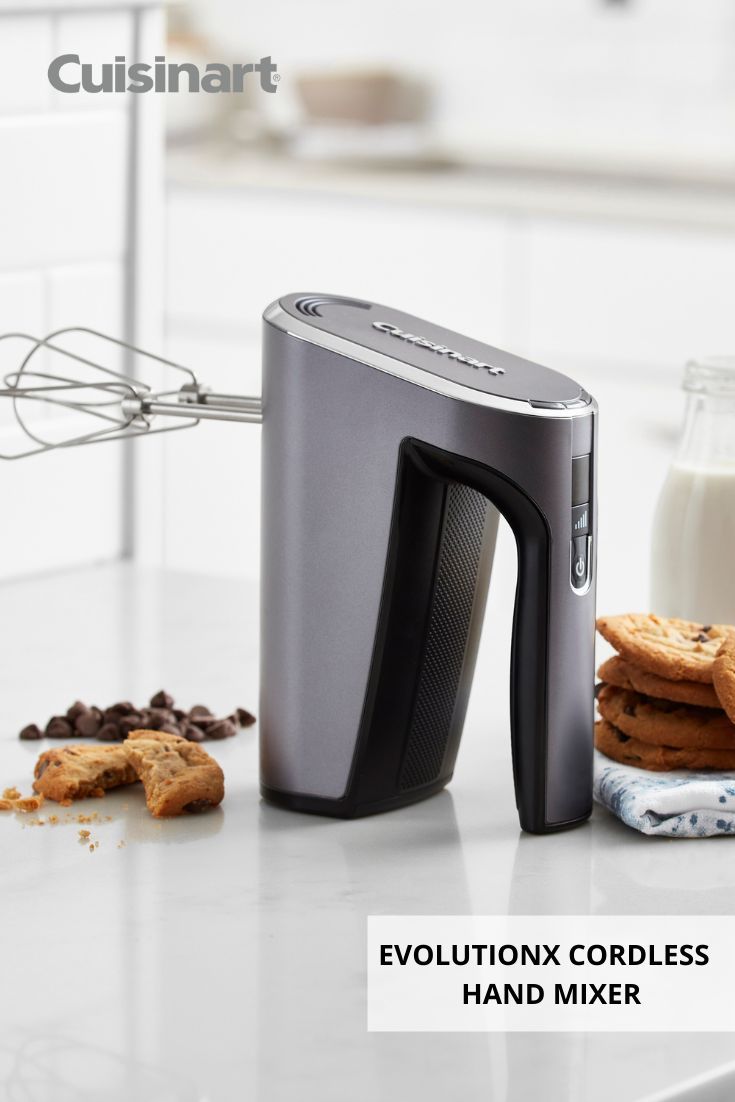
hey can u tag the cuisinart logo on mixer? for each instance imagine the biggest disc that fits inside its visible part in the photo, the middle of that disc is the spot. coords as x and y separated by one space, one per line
68 73
441 349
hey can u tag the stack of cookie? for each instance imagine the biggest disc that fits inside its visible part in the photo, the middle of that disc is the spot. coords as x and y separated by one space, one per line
667 698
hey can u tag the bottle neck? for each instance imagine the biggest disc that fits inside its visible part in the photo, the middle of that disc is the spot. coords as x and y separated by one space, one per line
708 434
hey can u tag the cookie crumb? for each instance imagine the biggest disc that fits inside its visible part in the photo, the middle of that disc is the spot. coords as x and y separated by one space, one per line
91 847
11 793
6 805
121 844
28 803
53 819
93 818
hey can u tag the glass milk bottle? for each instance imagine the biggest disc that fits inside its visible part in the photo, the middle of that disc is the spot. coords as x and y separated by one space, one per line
693 556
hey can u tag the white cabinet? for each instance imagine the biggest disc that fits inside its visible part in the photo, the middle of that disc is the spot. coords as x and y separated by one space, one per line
230 255
628 295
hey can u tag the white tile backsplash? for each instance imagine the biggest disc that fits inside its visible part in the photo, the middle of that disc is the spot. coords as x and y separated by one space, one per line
92 296
22 310
97 37
212 500
65 194
21 302
87 294
60 510
63 189
26 48
228 364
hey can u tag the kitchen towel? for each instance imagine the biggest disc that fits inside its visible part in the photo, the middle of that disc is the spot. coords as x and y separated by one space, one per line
680 804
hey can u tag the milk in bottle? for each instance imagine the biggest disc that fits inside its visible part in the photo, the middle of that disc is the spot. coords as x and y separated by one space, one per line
693 555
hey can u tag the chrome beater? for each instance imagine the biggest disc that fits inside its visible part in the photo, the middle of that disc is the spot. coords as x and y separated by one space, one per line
116 405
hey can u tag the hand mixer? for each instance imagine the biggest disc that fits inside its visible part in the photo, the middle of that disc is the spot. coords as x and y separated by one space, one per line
390 445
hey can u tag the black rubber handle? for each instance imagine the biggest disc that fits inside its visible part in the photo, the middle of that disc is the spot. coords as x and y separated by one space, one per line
529 648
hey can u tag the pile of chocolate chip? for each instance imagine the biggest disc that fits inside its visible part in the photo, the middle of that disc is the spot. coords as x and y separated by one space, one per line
115 723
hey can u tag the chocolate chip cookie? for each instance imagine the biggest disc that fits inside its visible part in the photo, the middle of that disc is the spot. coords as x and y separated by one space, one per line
177 775
622 748
616 671
679 650
723 676
73 772
664 722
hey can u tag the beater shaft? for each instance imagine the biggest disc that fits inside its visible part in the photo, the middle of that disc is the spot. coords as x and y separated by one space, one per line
208 407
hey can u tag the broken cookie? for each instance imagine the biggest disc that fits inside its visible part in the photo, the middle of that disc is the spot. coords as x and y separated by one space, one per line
73 772
177 775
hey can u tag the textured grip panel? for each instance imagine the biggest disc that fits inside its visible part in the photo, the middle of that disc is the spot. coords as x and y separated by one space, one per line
449 623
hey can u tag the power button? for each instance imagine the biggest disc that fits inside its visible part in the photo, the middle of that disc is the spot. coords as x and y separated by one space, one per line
580 561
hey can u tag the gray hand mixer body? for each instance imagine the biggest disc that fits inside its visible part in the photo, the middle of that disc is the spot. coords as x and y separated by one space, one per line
389 446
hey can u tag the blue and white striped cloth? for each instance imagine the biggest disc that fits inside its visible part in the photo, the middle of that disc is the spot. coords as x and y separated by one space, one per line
680 804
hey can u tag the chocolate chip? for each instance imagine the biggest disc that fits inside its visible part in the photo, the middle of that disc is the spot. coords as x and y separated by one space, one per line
32 731
77 709
109 732
162 700
221 728
205 722
58 727
193 733
702 638
116 711
132 722
88 723
118 720
170 729
199 710
196 806
621 737
156 718
41 768
707 628
629 709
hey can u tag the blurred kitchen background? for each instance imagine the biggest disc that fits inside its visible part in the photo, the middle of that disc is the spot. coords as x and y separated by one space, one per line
558 179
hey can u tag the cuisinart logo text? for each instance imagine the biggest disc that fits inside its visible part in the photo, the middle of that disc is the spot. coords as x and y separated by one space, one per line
68 73
441 349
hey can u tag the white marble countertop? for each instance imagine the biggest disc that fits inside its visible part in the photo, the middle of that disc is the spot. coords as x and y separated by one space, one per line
219 958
